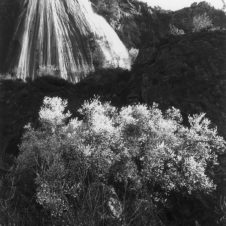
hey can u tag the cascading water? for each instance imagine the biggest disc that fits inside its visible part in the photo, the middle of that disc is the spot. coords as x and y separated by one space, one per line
67 35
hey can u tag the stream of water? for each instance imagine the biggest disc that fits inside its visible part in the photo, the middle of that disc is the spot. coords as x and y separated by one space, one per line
68 37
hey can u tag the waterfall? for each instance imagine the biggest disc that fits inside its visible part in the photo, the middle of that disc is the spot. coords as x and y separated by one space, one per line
66 35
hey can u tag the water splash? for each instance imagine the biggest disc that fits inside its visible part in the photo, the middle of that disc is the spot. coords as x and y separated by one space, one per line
67 35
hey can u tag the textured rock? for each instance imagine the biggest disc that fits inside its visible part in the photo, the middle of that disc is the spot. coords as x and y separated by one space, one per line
188 72
139 25
8 16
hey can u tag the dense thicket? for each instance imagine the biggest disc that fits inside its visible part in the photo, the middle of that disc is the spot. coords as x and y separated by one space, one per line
113 167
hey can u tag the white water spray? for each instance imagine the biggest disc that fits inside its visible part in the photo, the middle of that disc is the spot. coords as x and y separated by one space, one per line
67 35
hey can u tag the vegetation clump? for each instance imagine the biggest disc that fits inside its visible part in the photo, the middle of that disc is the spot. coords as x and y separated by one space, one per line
112 166
202 22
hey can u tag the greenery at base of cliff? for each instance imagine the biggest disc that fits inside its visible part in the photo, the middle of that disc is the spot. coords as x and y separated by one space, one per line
111 167
20 103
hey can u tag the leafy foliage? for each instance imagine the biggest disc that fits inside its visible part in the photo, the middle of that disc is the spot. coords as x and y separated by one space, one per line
202 22
115 167
175 31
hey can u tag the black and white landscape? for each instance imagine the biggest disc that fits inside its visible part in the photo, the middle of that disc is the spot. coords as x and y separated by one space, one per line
112 113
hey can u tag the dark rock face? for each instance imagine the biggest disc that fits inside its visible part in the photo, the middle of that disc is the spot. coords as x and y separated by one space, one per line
187 72
9 12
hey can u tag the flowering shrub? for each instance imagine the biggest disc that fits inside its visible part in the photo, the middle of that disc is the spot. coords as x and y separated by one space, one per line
175 31
202 22
115 166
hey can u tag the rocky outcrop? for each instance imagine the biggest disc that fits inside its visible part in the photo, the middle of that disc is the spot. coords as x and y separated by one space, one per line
188 72
9 10
139 25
